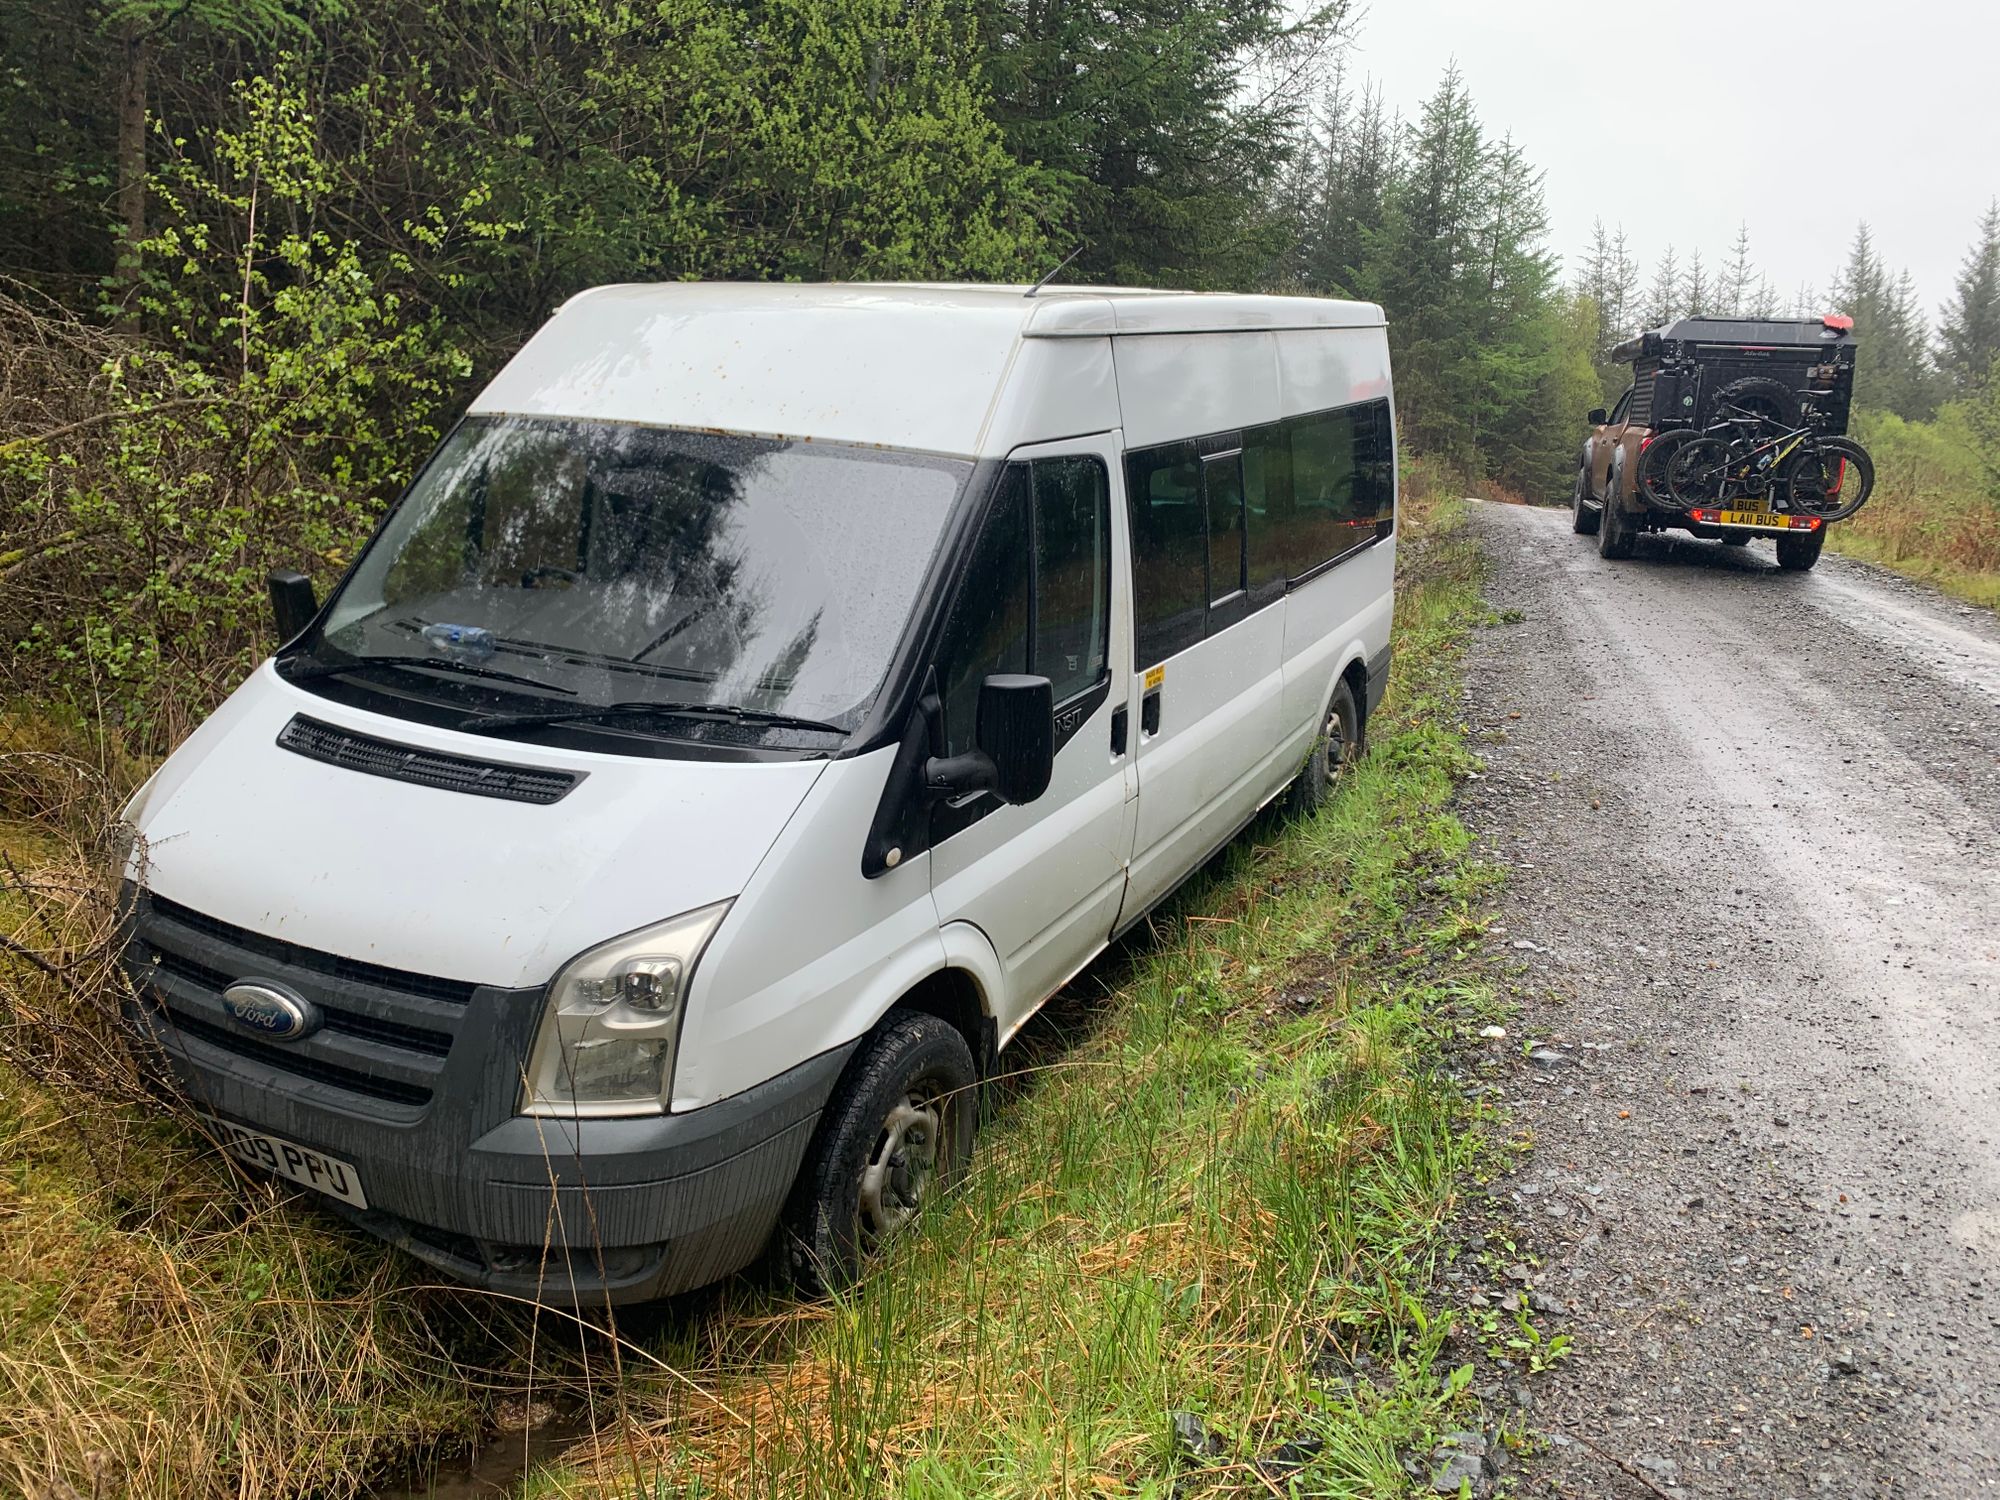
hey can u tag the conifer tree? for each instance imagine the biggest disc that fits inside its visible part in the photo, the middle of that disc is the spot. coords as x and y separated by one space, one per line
1696 290
1734 287
1969 327
1663 297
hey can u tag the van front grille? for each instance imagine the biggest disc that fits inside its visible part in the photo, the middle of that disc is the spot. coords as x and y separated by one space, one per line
385 1036
451 773
287 1060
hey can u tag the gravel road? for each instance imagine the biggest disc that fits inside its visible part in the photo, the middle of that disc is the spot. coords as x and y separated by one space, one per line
1752 826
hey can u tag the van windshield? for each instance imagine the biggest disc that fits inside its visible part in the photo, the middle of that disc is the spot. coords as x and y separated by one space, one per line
566 564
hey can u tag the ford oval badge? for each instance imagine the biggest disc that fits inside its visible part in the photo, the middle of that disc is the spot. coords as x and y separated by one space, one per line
271 1010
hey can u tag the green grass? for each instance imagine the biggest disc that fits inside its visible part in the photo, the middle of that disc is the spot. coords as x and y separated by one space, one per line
1214 1184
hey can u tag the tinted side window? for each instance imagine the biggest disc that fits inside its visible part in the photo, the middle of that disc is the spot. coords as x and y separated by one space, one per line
1342 484
1169 550
988 628
1072 573
1267 493
1222 480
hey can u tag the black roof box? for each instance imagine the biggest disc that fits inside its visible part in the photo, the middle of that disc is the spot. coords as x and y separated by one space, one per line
1738 333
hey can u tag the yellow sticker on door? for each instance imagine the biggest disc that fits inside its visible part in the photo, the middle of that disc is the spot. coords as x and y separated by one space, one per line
1154 677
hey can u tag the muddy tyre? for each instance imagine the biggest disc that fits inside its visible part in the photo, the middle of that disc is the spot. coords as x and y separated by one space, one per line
1617 529
896 1133
1338 746
1797 554
1584 516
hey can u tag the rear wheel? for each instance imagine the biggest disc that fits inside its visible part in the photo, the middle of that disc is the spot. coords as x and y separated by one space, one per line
1654 458
897 1131
1583 515
1798 551
1832 479
1698 472
1339 746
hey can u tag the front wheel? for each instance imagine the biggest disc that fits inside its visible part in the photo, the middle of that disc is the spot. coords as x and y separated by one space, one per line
1832 479
896 1133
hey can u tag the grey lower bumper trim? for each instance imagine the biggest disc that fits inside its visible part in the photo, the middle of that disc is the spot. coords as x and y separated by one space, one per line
1378 678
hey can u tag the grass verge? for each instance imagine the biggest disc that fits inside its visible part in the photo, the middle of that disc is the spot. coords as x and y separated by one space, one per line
1193 1256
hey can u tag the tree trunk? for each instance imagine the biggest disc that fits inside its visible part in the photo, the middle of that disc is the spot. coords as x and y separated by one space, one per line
131 161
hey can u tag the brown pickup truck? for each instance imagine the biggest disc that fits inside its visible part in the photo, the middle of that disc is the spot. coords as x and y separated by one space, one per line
1793 371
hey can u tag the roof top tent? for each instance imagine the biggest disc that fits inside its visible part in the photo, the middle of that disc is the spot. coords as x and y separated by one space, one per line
1678 368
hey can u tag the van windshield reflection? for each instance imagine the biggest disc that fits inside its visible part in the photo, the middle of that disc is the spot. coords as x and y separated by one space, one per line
566 564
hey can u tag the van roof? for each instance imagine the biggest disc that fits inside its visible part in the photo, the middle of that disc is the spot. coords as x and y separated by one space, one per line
1052 312
905 365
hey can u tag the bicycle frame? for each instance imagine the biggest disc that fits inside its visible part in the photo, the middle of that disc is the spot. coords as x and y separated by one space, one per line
1744 473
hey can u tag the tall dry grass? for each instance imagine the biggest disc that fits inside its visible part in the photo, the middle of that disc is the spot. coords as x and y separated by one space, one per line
1934 513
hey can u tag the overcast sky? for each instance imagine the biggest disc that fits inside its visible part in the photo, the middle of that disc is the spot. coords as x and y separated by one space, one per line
1681 118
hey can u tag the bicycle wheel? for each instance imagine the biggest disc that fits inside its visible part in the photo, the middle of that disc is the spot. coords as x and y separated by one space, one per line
1832 479
1651 483
1698 472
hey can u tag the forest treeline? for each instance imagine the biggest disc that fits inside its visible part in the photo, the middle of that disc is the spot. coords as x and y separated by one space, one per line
259 252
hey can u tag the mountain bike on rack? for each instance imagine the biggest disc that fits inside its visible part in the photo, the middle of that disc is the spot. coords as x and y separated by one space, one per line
1744 469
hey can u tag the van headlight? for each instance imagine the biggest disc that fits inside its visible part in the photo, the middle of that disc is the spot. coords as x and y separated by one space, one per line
606 1043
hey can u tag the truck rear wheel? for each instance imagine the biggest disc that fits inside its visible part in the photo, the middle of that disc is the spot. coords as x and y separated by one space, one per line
896 1133
1797 554
1617 531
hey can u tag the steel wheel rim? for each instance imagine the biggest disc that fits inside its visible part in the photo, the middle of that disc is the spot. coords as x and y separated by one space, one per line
899 1175
1338 747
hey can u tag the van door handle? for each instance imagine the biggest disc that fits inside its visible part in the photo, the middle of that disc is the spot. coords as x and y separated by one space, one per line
1149 712
1118 717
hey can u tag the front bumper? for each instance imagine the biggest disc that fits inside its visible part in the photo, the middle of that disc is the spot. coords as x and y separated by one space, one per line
414 1082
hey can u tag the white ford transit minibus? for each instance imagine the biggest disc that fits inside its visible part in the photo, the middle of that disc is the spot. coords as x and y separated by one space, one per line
763 700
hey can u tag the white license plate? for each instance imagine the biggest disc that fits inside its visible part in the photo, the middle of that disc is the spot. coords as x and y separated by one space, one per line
301 1164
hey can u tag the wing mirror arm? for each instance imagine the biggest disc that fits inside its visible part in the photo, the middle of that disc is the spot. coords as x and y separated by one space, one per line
1014 756
293 603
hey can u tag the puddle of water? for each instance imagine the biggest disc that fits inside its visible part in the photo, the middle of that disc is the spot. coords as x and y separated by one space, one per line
492 1470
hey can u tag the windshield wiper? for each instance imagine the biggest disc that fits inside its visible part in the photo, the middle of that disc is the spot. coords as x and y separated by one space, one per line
640 708
317 669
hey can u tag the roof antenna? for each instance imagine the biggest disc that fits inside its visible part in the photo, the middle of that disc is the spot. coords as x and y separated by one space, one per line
1058 270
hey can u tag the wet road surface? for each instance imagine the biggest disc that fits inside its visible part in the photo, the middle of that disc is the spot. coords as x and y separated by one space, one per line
1752 821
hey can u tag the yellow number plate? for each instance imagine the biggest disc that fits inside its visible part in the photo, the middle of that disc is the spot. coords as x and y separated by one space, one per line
1754 518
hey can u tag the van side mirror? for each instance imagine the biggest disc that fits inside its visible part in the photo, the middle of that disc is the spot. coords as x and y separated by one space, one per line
293 603
1598 416
1016 741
